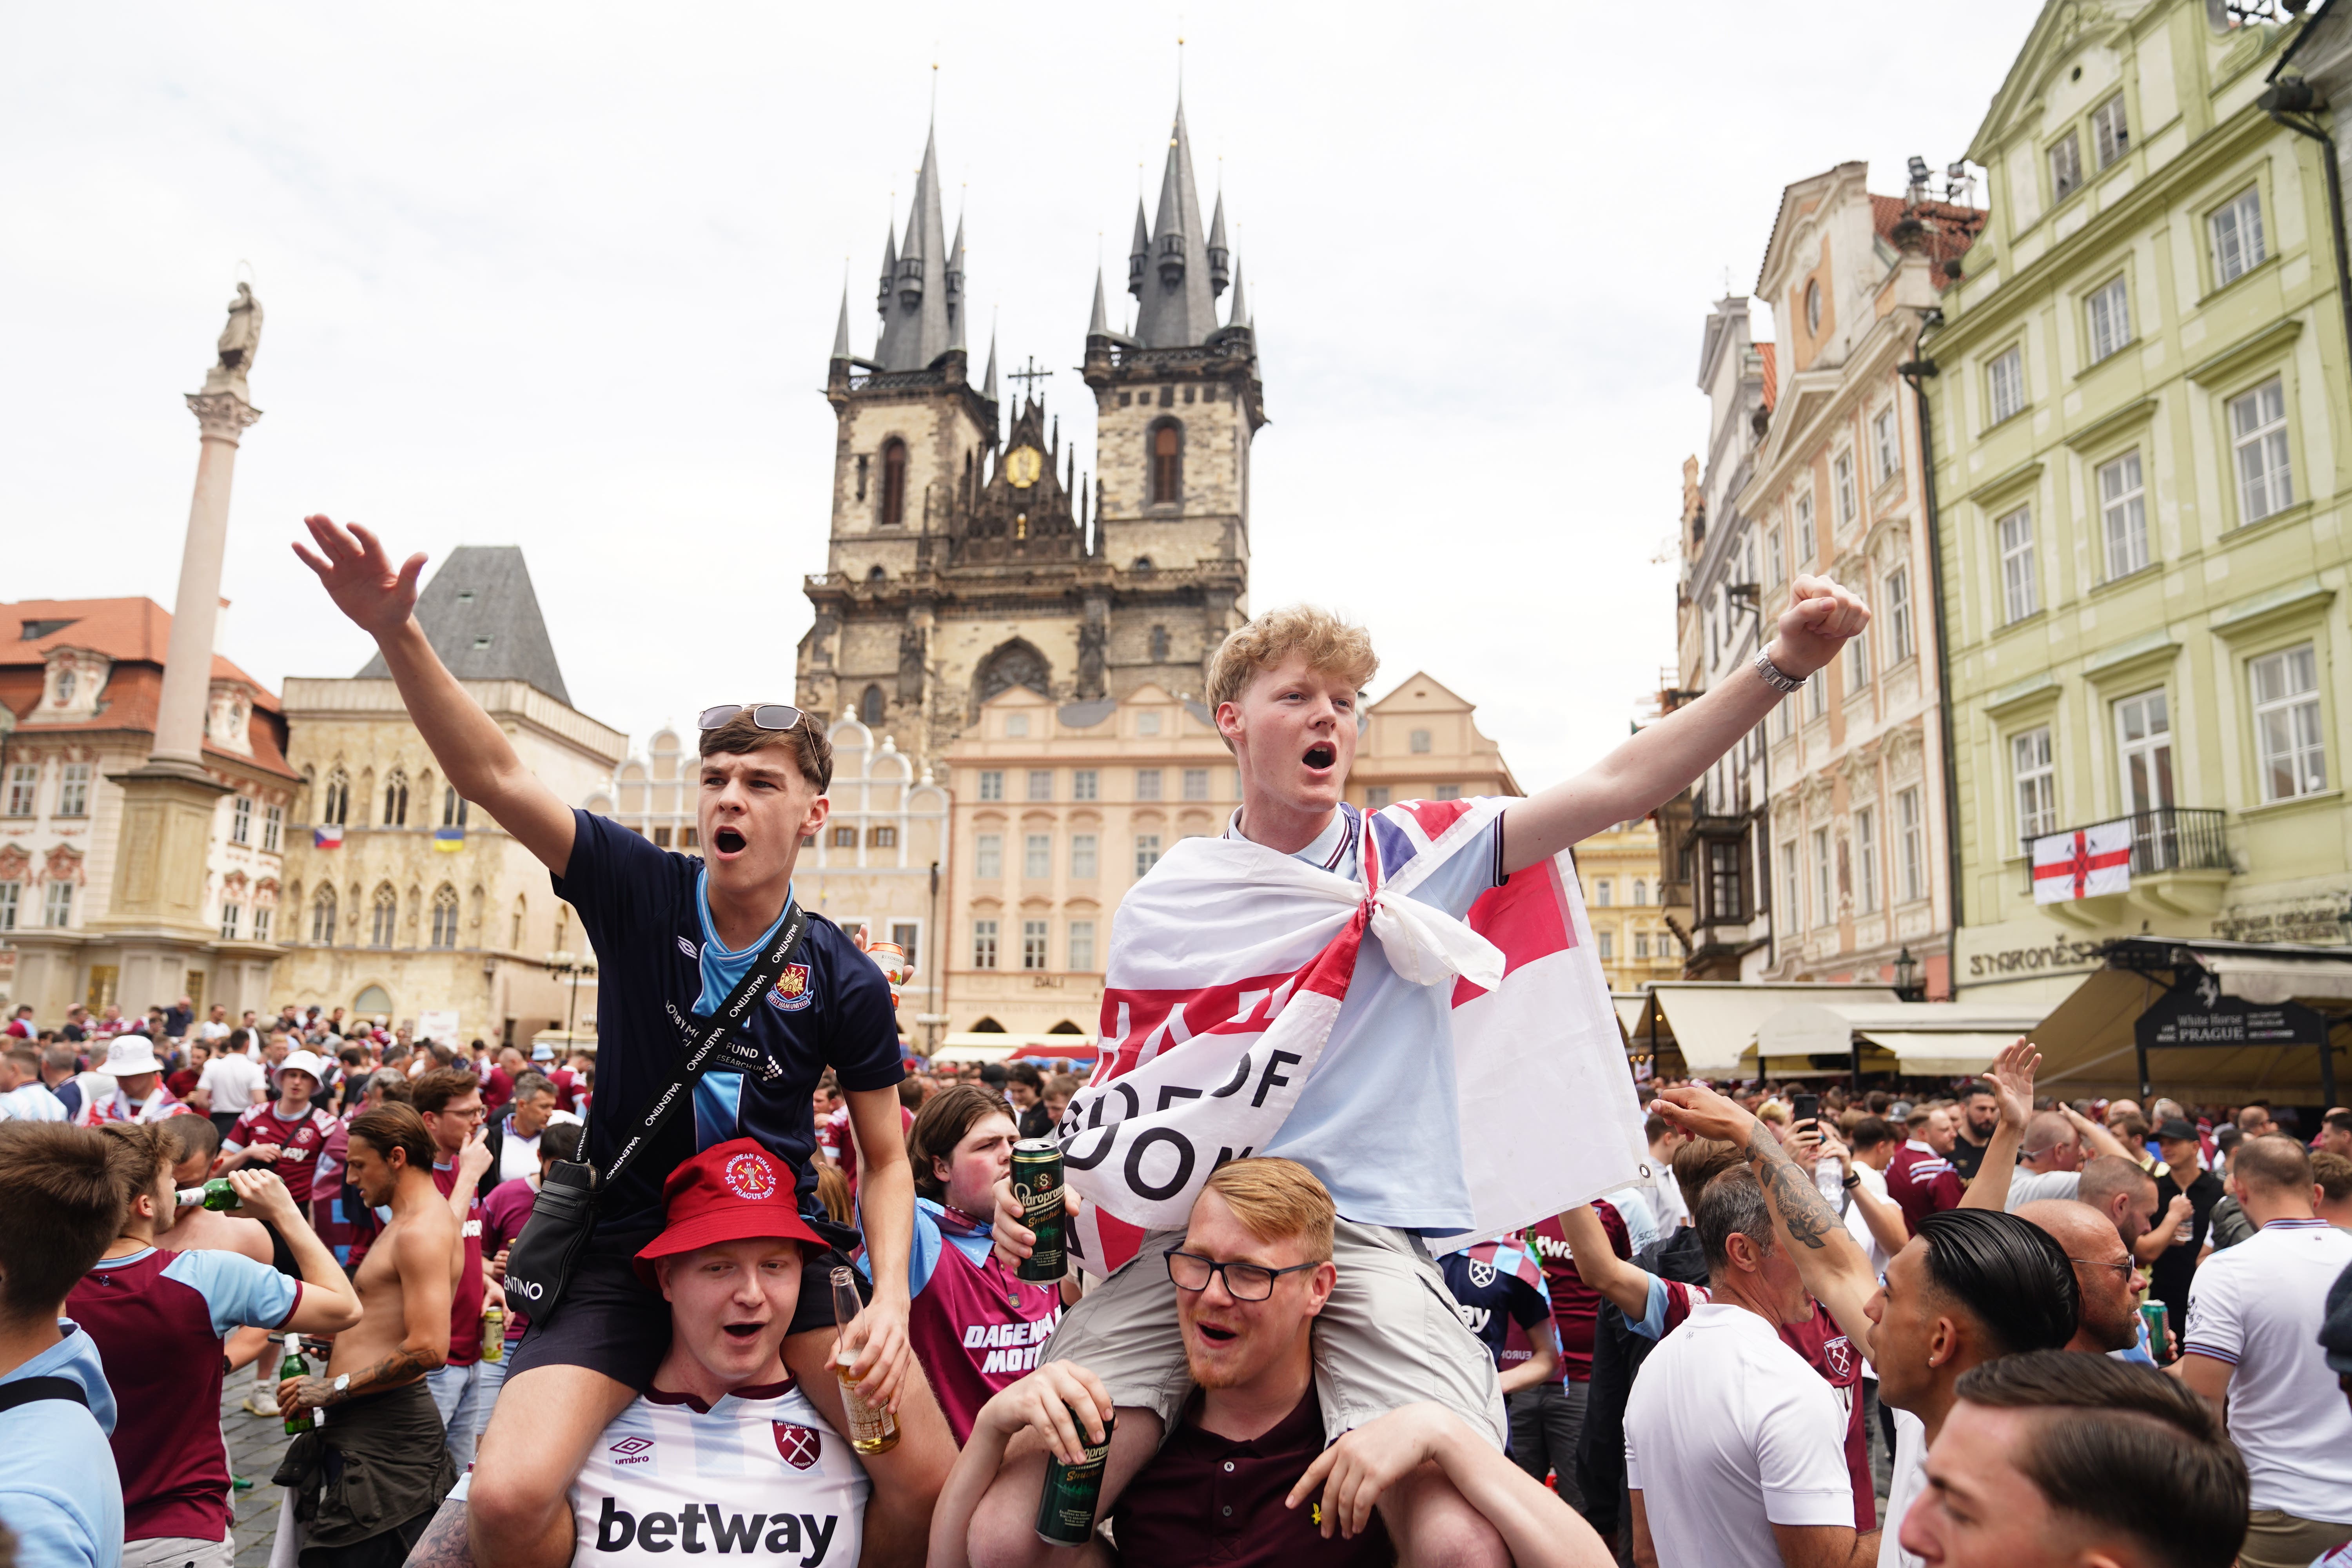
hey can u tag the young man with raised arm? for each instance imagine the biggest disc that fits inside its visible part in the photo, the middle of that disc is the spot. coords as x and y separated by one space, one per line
366 1503
1246 1476
161 1319
1377 1114
674 934
1975 1283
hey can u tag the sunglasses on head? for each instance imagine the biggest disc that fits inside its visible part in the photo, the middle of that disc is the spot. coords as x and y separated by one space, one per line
766 715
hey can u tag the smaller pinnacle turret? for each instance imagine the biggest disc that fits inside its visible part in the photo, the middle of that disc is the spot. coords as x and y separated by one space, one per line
841 328
1218 253
1099 325
1140 253
987 383
1241 316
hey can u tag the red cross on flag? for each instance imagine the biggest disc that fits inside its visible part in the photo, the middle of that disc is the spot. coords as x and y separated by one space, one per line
2084 864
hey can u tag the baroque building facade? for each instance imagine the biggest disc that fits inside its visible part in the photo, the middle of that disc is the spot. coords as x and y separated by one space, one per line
2141 416
402 899
1714 857
1858 875
967 557
80 681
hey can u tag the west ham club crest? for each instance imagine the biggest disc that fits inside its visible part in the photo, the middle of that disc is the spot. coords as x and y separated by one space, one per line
800 1446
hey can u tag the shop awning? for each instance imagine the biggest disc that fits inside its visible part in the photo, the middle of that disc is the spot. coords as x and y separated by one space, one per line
2090 1043
1923 1039
1630 1006
995 1048
1713 1022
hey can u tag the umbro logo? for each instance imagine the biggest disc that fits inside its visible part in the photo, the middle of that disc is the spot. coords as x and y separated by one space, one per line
689 949
628 1446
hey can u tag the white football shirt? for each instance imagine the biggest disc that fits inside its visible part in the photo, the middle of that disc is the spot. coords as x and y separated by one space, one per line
1732 1433
2258 1306
758 1479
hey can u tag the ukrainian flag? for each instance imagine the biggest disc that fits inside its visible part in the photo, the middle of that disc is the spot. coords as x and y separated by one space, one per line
448 840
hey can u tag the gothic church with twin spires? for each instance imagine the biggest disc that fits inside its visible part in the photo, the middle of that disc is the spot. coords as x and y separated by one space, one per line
968 556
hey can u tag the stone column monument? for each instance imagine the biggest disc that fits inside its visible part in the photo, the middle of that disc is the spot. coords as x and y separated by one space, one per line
168 804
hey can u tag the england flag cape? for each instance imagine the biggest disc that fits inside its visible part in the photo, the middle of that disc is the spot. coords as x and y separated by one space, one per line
1227 966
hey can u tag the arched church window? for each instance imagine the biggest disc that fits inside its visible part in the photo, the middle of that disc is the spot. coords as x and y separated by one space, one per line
870 706
521 910
445 916
453 807
1167 461
894 482
876 574
322 916
395 800
383 916
1014 664
338 808
1160 645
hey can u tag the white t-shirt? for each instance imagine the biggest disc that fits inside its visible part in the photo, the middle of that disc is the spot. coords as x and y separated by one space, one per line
210 1030
1910 1479
2257 1307
1733 1433
758 1479
1857 1223
2032 1186
1665 1196
518 1155
235 1081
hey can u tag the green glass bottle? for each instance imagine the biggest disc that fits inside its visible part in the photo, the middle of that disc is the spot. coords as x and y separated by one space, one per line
297 1364
216 1195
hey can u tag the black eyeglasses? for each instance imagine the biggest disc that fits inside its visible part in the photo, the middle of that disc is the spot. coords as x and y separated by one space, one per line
766 715
1243 1281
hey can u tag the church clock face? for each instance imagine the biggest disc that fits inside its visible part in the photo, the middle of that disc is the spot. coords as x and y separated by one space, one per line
1022 467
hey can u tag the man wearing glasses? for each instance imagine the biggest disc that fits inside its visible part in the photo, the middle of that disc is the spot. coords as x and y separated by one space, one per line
1245 1477
674 934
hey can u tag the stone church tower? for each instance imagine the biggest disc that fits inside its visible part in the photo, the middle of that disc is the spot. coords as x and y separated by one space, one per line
968 556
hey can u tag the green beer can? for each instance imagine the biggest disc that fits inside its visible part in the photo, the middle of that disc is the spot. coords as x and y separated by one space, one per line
1037 1182
1065 1507
2153 1314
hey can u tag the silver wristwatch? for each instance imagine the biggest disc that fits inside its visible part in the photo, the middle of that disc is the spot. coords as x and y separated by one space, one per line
1774 676
341 1385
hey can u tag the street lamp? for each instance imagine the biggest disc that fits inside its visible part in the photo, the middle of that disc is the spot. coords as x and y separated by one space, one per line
1907 976
563 962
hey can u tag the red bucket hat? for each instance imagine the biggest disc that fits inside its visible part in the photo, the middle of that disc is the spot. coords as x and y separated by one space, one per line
734 1191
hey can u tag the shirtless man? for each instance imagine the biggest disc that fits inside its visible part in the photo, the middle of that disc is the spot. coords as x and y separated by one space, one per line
380 1417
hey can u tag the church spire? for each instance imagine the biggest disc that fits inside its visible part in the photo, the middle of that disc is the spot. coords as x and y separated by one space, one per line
917 307
841 328
1140 253
1241 316
987 383
1219 275
1179 301
1099 325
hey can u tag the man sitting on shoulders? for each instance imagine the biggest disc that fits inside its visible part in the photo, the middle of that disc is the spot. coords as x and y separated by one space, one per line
1244 1474
723 1453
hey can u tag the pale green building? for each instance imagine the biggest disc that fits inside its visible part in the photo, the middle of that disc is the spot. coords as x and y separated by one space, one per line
2140 433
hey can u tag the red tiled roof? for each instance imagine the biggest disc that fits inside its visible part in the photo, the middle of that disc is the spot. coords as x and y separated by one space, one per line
135 633
1951 229
1771 372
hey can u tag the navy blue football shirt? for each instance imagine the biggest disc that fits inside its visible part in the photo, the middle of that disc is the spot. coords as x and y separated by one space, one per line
643 910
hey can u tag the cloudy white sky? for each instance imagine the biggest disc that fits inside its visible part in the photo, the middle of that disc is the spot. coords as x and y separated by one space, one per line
565 276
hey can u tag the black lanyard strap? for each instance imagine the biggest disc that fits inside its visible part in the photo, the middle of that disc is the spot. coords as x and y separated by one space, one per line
705 1036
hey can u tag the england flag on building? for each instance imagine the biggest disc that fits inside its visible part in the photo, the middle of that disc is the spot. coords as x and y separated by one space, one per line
2083 864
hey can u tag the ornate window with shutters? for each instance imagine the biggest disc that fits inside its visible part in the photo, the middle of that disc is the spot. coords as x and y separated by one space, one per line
1166 447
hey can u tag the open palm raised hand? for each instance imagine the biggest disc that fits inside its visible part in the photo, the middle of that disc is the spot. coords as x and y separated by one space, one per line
2012 1082
360 577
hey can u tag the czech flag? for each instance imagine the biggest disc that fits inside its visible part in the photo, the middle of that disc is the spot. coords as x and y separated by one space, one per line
448 840
329 836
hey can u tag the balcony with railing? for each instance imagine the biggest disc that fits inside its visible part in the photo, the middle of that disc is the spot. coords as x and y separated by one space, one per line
2180 857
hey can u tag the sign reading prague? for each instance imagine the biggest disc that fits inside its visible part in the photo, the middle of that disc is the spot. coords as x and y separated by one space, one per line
2084 864
2195 1014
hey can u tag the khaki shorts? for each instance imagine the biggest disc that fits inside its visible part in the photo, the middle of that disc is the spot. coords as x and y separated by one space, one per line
1388 1337
2276 1539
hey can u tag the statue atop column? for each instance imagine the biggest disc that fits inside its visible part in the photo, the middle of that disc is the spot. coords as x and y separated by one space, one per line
239 341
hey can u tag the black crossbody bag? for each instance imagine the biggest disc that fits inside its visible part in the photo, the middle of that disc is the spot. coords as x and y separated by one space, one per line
541 1262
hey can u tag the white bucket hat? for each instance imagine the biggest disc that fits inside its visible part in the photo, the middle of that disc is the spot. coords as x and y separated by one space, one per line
305 1061
130 1056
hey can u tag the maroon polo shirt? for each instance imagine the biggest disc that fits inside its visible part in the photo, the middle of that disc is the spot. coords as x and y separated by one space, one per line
1206 1499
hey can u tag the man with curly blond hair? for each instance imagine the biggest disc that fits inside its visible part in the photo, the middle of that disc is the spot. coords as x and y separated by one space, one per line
1367 947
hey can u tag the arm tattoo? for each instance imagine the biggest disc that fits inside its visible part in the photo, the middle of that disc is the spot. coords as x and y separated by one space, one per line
401 1367
1803 1213
444 1545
